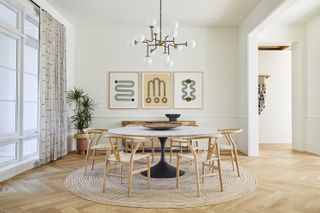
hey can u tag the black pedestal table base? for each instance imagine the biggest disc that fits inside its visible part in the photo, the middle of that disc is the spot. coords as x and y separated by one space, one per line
163 169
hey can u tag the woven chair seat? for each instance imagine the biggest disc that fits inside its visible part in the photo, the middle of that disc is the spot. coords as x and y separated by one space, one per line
225 147
126 157
202 157
100 146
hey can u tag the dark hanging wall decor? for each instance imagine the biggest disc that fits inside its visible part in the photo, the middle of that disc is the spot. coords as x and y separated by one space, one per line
262 92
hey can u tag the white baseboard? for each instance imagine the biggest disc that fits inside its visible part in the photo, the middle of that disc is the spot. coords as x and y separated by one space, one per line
275 141
17 168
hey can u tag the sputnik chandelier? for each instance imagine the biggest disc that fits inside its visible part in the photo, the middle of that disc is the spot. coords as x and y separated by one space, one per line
158 41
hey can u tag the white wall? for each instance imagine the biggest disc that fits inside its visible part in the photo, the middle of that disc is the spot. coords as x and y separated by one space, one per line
103 49
275 120
313 87
295 35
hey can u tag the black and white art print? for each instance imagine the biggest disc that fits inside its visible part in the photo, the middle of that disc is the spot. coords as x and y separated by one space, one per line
188 89
123 90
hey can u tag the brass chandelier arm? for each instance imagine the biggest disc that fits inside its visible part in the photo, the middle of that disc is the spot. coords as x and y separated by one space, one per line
152 50
151 45
155 42
182 44
151 29
147 50
157 39
165 50
160 20
168 46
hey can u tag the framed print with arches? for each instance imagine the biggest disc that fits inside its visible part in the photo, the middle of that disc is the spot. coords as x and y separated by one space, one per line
156 90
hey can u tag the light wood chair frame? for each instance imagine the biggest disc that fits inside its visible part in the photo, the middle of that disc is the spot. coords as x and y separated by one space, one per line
212 155
116 152
233 151
93 136
181 143
143 143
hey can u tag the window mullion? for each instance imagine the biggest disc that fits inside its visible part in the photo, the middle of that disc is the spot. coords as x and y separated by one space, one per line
20 88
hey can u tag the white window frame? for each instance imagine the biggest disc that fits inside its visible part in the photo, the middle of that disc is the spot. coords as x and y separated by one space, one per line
20 135
18 71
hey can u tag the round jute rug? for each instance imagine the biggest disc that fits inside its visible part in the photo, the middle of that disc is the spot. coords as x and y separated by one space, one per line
163 192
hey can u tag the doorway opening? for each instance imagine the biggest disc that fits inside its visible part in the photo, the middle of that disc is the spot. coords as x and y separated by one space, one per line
275 95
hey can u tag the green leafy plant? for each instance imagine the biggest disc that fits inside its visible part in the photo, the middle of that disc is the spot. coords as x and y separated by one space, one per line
83 109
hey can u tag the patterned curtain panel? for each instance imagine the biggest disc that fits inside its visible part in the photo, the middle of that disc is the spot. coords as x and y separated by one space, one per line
53 105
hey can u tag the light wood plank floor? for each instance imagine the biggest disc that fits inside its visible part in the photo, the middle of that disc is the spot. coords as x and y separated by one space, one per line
287 182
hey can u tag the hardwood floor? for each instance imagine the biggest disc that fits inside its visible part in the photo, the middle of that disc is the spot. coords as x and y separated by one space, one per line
288 181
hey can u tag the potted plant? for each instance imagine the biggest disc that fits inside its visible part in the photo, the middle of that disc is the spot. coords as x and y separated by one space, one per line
83 107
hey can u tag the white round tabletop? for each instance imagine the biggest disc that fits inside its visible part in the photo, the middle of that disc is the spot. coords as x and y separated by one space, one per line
182 131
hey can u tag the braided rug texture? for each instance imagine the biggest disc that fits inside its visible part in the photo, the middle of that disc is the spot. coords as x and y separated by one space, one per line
163 192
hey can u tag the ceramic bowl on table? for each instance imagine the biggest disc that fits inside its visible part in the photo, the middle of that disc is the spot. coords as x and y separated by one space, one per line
173 117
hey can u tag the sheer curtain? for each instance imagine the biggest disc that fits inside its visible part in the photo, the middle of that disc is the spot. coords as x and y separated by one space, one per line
53 106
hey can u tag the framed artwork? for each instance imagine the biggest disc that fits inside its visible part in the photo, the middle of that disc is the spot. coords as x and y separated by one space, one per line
156 90
123 90
188 90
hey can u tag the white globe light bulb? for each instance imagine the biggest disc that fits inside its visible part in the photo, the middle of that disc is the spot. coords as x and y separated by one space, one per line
152 22
170 63
131 42
174 33
179 47
192 44
139 37
157 30
175 25
147 60
165 57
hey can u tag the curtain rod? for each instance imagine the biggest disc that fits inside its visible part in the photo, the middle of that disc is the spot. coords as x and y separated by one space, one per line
35 3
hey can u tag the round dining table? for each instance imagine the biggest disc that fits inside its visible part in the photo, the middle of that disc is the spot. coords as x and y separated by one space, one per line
163 169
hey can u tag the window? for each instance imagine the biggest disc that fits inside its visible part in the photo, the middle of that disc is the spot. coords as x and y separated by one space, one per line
19 68
31 28
7 153
30 147
8 76
8 16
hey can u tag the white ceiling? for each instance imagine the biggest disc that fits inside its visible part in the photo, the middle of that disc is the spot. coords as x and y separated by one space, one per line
301 12
136 12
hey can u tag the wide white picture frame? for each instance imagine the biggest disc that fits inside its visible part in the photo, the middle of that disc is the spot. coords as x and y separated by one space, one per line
188 90
123 90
